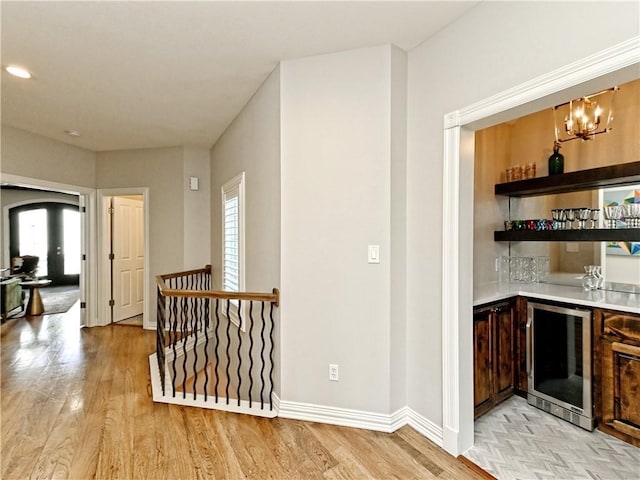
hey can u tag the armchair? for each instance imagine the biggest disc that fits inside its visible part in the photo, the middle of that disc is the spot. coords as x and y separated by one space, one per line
12 296
24 267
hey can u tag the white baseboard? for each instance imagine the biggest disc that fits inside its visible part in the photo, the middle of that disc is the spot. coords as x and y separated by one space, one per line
425 427
380 422
335 416
344 417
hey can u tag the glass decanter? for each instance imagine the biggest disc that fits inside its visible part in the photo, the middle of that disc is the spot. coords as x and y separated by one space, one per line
590 280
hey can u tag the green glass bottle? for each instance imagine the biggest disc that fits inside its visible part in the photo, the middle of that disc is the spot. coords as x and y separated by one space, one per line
556 161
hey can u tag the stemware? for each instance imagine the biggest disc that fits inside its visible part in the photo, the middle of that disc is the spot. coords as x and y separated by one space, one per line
635 215
595 216
570 215
612 214
583 215
558 216
631 214
597 271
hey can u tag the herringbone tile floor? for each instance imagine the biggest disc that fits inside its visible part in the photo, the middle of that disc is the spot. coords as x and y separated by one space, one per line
518 441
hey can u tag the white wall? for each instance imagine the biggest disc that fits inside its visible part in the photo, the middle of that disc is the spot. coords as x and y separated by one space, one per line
161 170
340 162
464 63
252 144
29 155
197 205
398 247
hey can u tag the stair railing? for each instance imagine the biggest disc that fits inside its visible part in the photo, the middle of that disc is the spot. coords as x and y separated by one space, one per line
214 348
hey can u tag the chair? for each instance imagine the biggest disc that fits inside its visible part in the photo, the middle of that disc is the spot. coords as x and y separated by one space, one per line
12 296
24 267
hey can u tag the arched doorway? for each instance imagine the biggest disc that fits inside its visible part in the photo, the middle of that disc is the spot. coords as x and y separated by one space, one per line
50 231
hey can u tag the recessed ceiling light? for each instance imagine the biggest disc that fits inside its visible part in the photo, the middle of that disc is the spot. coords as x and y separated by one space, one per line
18 71
73 133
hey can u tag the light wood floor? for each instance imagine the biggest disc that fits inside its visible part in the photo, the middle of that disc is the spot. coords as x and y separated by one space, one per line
76 404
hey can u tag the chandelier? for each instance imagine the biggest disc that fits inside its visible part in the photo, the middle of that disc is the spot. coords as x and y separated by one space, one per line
583 117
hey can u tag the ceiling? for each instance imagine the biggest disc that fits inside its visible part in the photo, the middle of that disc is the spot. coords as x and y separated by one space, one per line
152 74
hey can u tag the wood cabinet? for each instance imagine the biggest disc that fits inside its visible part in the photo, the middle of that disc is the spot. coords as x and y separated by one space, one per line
617 374
494 354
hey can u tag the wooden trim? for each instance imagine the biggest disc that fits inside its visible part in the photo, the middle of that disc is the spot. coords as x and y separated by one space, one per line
475 467
252 296
597 374
626 349
273 297
206 269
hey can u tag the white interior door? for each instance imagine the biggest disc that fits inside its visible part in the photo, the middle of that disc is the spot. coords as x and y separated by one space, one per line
128 261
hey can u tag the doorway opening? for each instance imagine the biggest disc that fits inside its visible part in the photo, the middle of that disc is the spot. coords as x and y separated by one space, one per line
51 232
124 250
63 214
617 64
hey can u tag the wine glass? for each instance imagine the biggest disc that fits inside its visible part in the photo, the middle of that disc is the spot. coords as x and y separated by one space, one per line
583 216
595 216
635 215
631 214
570 214
612 214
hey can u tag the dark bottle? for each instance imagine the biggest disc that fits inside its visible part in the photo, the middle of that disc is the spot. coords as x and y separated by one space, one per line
556 161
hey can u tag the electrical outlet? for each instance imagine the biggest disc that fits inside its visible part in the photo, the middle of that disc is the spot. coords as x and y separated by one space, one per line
333 372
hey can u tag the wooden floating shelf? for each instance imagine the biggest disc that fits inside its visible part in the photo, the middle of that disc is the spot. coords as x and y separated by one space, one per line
587 235
612 176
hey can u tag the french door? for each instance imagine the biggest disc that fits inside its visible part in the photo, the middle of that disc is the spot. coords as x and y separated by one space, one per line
50 231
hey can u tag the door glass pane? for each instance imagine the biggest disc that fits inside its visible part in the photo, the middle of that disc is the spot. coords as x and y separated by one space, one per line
71 242
32 237
558 356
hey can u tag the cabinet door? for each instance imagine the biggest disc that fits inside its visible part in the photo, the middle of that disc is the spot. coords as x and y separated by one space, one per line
626 375
504 319
620 389
482 361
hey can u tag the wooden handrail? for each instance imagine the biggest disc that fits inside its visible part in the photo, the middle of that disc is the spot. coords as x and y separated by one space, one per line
167 276
273 297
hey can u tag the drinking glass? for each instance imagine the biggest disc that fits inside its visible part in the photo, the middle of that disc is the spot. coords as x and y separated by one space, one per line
583 215
597 271
631 214
589 281
612 214
570 214
635 215
595 216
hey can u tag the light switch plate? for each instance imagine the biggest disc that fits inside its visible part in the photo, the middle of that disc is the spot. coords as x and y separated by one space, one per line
573 247
193 183
374 254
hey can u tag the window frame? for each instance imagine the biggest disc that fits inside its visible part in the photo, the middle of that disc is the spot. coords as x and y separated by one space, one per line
227 191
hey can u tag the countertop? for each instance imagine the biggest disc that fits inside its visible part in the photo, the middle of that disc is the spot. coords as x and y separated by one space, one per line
494 291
